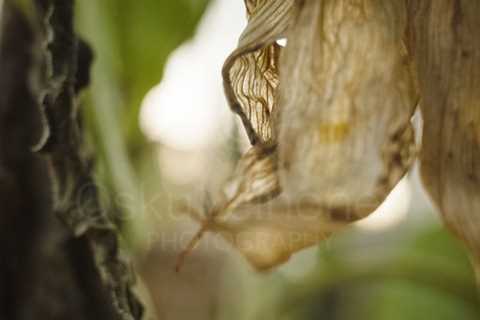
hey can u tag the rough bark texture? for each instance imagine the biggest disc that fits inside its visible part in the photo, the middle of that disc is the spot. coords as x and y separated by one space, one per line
60 256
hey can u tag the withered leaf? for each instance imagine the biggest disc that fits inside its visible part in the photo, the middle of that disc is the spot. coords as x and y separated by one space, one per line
328 118
341 124
251 72
445 42
250 77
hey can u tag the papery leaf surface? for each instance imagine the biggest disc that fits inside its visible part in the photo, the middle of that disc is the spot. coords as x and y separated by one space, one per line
341 125
251 71
444 40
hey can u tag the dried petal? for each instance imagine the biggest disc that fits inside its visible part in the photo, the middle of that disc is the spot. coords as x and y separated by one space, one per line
445 43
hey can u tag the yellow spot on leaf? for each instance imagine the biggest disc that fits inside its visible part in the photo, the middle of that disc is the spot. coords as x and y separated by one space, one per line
333 132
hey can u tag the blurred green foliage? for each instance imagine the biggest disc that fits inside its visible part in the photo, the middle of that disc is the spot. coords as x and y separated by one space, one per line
428 276
132 41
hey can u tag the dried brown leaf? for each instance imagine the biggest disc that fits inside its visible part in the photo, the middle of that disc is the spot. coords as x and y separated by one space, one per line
343 127
445 43
251 71
332 128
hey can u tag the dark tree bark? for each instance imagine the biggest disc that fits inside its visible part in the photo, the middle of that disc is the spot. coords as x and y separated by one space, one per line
59 255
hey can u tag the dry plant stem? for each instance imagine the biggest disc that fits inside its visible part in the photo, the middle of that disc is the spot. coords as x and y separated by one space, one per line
191 245
206 225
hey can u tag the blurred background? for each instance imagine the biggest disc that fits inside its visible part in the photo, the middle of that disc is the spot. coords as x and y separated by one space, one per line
157 113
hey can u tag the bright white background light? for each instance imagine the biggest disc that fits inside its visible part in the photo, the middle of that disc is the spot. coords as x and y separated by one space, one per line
188 110
392 211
